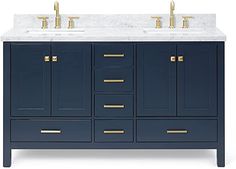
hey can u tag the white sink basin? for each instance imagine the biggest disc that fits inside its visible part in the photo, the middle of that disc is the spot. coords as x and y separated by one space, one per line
172 31
55 31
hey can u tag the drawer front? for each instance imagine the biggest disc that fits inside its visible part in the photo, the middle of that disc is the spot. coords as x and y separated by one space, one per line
176 130
114 130
114 79
114 105
30 130
112 55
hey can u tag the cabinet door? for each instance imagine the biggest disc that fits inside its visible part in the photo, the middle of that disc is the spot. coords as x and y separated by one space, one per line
156 79
71 79
197 79
30 79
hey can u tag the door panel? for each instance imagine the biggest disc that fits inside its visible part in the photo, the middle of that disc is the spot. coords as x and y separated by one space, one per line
156 80
71 79
30 79
197 79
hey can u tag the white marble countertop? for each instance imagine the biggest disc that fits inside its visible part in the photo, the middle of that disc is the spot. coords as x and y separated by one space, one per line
116 28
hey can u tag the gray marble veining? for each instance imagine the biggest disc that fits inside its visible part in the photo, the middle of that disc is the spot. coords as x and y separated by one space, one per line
118 28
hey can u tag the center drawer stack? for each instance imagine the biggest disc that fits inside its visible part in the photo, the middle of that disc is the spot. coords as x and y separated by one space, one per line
114 92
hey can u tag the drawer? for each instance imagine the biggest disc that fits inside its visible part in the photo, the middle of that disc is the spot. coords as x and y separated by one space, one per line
176 130
114 79
114 105
113 54
113 130
30 130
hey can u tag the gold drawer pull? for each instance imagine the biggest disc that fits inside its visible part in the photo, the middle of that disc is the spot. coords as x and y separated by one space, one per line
177 131
114 81
49 131
114 132
114 55
46 58
114 106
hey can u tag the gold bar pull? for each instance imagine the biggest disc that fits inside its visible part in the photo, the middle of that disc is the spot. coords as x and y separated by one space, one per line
114 106
46 58
176 131
50 131
180 58
54 59
113 81
173 58
114 55
114 132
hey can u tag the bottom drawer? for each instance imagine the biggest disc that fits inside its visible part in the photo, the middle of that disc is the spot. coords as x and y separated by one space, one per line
176 130
113 130
34 130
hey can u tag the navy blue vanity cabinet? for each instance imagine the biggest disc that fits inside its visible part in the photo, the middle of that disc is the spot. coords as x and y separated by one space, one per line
30 79
113 95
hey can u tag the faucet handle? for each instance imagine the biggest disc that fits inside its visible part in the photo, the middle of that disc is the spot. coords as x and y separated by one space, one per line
158 21
44 22
186 21
71 22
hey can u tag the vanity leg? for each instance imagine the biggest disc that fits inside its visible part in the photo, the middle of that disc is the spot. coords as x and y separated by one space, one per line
221 157
6 157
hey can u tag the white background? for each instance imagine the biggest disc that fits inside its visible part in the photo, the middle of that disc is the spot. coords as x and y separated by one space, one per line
107 159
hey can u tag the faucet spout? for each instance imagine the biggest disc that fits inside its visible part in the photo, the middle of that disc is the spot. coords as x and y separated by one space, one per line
172 7
58 17
56 7
172 16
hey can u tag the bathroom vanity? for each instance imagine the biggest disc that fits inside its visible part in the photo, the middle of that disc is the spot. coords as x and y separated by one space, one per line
114 81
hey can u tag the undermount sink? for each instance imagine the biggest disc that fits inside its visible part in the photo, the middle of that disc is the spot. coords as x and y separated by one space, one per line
55 31
173 31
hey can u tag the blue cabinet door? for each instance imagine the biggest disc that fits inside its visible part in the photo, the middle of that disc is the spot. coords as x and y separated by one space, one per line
197 79
30 79
156 79
71 79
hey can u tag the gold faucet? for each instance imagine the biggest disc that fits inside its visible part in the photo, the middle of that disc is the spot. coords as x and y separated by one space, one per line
172 16
58 17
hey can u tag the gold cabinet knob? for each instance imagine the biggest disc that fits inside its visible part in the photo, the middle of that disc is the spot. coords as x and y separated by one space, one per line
46 58
158 21
186 21
54 59
180 58
71 22
44 22
173 58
